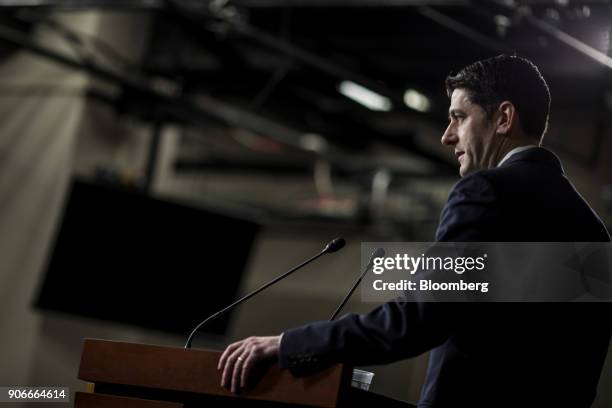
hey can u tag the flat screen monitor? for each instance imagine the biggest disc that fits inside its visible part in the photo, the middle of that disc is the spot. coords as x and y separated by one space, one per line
124 256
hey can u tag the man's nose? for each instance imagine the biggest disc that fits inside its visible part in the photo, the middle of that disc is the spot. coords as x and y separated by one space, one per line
449 138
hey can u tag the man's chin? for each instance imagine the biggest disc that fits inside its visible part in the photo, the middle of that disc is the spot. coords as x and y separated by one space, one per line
466 171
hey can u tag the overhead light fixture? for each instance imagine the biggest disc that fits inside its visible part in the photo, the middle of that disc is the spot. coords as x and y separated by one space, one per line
364 96
416 100
313 142
586 11
502 21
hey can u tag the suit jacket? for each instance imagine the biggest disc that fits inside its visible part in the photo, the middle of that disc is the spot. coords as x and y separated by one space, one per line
486 354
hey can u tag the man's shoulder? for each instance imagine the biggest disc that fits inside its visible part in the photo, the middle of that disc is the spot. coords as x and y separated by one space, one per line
528 198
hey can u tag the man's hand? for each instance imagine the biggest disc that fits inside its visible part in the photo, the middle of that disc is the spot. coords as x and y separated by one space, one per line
239 359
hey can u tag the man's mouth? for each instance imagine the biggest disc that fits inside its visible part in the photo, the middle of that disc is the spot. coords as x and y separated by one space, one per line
458 155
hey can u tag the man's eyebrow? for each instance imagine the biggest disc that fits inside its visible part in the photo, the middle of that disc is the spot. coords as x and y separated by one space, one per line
452 112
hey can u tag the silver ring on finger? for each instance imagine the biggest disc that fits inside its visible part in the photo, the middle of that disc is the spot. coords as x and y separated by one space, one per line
240 358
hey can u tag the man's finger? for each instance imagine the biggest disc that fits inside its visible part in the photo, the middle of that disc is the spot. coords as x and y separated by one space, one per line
247 367
237 370
228 367
226 353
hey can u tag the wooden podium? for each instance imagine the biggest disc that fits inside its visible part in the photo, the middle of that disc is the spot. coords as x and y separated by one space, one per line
145 376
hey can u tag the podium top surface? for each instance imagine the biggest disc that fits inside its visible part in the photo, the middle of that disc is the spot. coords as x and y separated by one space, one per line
195 371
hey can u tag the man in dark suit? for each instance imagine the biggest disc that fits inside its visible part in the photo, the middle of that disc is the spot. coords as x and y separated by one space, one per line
493 354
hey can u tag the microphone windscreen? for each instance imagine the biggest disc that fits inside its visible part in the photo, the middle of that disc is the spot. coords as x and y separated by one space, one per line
335 245
379 253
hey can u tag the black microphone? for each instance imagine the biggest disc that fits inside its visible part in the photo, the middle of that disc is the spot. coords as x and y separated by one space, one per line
379 253
335 245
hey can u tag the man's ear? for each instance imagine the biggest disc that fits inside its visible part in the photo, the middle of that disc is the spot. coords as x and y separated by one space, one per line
506 117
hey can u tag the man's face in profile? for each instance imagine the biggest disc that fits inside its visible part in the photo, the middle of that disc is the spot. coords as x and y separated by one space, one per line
470 133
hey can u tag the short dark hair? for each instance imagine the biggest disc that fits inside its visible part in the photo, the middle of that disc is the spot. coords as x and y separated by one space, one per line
491 81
